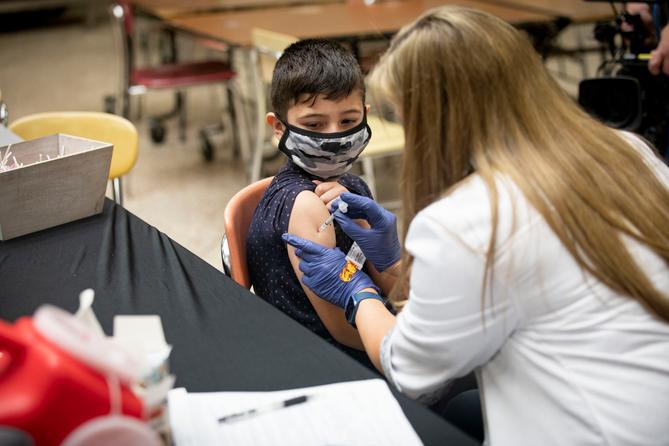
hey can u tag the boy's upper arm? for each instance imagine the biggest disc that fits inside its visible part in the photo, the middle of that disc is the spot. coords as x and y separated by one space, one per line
307 216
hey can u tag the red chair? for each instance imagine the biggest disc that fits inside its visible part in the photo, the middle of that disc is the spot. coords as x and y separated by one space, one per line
175 76
238 215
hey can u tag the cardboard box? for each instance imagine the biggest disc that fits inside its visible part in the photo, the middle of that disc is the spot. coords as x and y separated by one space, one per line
49 192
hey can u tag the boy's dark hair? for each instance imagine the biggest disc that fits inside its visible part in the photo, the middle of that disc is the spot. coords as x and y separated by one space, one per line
313 67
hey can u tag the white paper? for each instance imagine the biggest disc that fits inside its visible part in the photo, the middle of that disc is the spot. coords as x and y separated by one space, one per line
144 336
144 332
352 413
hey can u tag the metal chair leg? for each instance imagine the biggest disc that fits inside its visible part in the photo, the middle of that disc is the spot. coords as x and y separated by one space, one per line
227 119
260 94
140 107
125 108
225 256
232 118
241 59
181 107
243 131
256 164
117 191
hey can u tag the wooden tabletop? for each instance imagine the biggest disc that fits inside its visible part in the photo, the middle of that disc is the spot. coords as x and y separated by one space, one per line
579 11
339 20
169 9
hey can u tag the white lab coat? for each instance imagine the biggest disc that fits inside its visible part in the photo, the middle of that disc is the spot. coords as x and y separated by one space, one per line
560 358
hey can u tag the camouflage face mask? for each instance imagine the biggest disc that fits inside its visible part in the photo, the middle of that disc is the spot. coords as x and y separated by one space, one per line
325 155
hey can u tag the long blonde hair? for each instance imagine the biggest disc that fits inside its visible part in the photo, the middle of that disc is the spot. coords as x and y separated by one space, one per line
475 97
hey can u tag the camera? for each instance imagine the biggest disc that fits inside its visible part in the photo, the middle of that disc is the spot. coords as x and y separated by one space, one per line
625 95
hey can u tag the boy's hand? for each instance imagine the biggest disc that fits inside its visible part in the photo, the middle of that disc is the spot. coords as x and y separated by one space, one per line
329 191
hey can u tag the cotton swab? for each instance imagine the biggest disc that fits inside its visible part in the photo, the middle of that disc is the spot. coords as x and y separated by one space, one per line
4 159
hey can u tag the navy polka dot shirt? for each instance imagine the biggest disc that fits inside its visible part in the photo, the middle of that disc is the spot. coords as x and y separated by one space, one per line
270 269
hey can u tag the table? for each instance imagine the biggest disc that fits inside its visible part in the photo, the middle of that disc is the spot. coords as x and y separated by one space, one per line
577 11
166 9
224 337
335 21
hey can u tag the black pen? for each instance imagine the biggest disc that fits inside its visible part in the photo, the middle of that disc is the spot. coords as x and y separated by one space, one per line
266 408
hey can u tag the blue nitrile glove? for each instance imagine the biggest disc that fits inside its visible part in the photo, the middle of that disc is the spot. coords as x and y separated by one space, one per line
380 243
321 267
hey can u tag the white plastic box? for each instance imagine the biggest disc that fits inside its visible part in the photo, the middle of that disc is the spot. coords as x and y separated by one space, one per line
51 181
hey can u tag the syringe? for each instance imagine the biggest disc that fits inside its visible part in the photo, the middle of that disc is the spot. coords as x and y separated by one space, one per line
343 207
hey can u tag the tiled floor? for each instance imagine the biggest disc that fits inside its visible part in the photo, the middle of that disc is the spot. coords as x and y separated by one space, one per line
72 67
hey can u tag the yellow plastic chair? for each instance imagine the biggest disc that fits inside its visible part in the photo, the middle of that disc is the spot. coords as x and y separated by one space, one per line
387 137
92 125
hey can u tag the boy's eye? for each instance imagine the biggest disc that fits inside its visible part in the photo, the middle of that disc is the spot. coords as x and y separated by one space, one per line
348 121
313 125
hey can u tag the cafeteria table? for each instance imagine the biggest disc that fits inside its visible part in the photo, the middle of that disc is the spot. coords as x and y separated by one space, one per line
333 20
166 9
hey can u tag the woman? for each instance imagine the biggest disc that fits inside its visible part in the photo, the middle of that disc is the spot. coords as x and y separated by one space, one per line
537 249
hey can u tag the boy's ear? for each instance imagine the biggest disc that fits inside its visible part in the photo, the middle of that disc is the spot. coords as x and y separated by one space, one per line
276 124
367 108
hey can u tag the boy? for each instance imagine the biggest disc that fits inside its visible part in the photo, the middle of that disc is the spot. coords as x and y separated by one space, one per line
319 117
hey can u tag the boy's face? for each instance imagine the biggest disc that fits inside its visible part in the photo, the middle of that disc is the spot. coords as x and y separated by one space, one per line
322 115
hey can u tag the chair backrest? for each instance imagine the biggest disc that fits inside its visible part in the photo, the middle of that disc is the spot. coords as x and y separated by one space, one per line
92 125
238 215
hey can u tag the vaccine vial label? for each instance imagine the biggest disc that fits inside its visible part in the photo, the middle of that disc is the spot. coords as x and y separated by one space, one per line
356 256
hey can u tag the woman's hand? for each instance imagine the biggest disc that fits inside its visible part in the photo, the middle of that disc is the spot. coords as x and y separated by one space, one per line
321 267
329 191
379 243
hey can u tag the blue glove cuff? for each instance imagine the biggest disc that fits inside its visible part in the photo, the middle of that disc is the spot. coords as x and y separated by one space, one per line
397 255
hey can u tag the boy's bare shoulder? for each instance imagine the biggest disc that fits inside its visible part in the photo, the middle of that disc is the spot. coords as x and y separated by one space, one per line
309 207
308 215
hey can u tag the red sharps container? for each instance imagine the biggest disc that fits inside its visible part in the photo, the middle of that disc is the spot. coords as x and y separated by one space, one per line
63 383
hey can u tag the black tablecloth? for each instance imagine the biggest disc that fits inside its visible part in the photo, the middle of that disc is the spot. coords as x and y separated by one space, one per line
224 337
